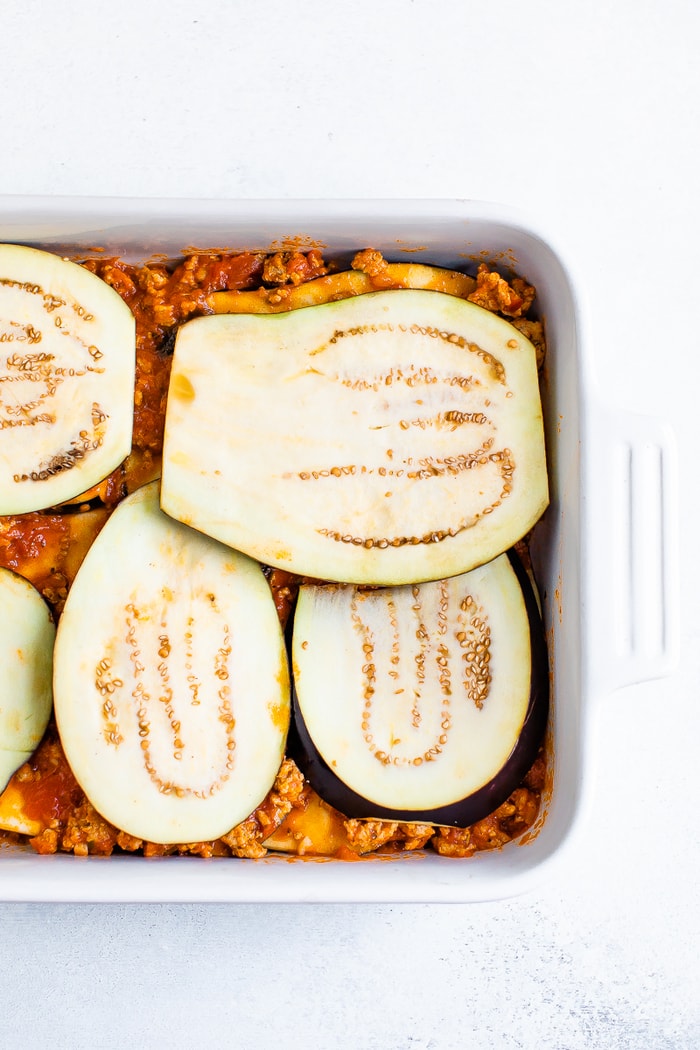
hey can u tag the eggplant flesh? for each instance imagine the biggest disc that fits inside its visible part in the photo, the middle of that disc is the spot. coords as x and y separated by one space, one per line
393 437
26 654
171 678
420 703
67 372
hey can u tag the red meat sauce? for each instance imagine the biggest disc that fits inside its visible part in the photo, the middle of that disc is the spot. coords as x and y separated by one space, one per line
48 547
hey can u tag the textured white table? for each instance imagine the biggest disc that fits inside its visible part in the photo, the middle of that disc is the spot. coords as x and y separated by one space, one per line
584 116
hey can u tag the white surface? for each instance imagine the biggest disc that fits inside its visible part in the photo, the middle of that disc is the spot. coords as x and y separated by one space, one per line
587 116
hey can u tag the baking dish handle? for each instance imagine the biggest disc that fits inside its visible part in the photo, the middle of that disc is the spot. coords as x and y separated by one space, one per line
632 561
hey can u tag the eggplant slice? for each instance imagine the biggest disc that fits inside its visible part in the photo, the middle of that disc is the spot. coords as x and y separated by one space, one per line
392 437
26 655
171 678
420 703
66 379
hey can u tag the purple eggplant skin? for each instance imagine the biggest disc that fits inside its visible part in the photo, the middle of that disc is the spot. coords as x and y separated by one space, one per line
480 803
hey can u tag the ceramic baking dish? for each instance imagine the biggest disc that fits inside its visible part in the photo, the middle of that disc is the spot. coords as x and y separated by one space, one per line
603 554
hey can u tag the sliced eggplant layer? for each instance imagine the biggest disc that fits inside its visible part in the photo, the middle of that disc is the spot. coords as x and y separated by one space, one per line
392 437
171 682
26 656
66 379
438 694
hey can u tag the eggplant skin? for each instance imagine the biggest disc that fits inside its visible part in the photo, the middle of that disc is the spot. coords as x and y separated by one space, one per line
481 802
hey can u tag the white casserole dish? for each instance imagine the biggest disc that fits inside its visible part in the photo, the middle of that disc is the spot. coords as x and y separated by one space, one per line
603 554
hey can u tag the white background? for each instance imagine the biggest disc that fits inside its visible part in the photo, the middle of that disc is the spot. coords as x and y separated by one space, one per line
584 116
